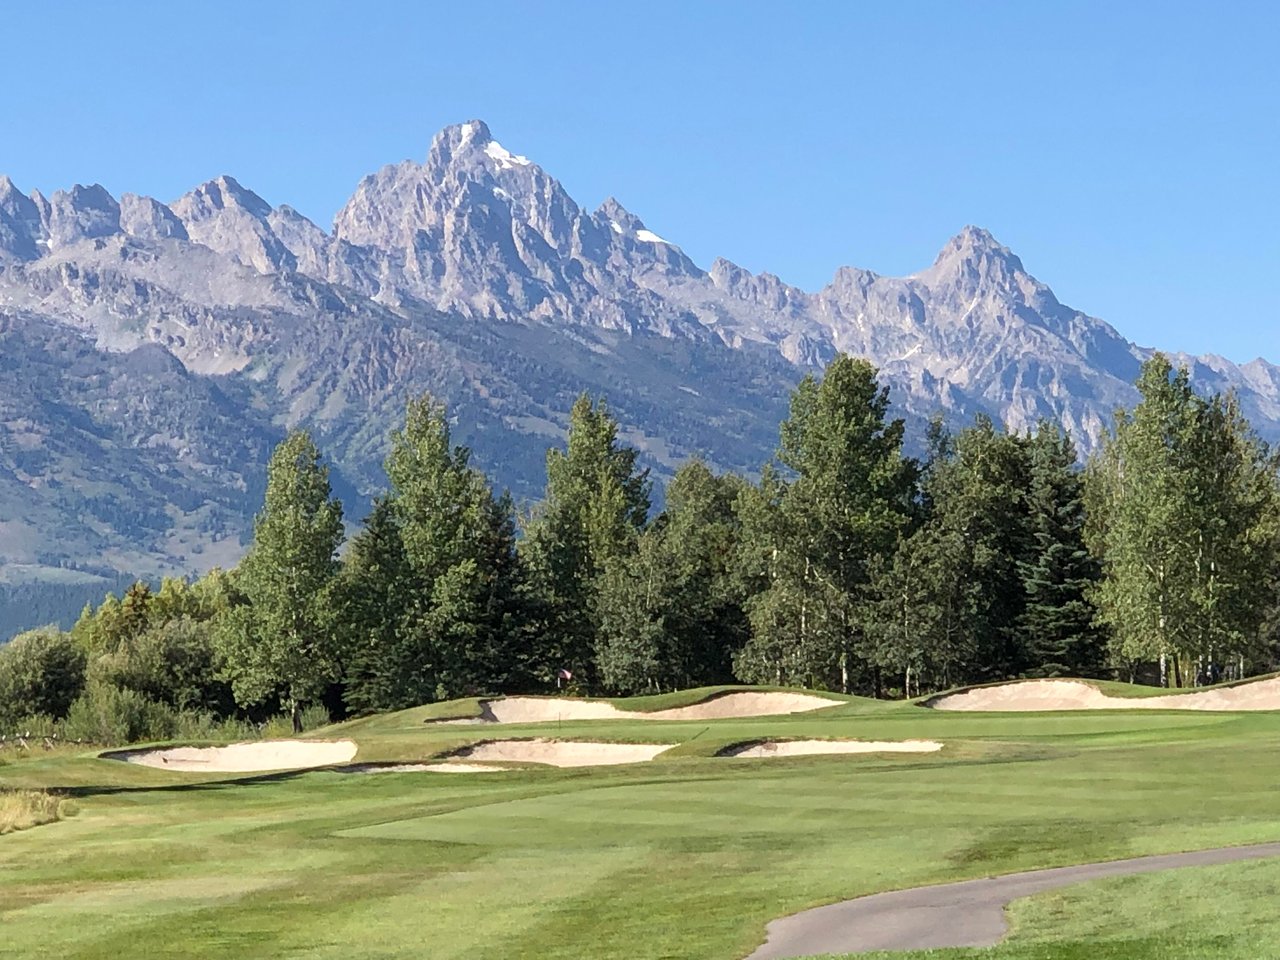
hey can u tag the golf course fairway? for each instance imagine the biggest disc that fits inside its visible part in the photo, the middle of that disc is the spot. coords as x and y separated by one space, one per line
689 854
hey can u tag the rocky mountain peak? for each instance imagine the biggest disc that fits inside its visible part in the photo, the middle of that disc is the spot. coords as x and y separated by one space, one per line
472 133
82 213
619 217
471 146
21 227
228 218
974 261
220 194
149 219
973 245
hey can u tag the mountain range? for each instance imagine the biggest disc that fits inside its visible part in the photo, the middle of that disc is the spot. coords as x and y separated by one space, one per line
152 353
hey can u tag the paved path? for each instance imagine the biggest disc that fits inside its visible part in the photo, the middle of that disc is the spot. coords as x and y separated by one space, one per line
965 914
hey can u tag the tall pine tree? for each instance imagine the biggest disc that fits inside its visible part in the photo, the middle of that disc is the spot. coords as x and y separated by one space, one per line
1058 622
595 507
848 494
279 642
431 585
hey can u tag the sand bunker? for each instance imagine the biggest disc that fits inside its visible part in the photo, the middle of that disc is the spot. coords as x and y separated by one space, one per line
724 707
804 748
244 757
561 753
422 768
1029 695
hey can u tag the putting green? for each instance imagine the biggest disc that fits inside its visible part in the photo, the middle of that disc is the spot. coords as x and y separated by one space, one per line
685 855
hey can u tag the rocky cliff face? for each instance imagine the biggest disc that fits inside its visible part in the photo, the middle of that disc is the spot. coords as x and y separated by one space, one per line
152 352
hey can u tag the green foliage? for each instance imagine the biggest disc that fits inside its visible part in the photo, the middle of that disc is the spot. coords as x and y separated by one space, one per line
995 581
1183 510
671 614
174 662
849 496
595 507
848 565
41 672
1058 624
278 642
112 716
922 622
979 501
429 593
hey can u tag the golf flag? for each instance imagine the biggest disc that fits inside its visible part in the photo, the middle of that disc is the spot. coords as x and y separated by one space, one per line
564 674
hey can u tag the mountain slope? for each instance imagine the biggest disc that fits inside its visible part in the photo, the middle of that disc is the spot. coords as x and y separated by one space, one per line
152 352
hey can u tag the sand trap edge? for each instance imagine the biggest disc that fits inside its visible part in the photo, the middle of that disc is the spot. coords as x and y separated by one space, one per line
769 749
238 757
530 709
423 767
548 752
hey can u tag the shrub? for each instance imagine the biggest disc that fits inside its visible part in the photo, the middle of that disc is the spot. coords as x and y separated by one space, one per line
172 662
41 672
315 716
111 716
280 727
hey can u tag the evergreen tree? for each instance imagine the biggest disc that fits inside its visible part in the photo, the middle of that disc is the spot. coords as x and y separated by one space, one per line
430 588
373 593
277 643
849 495
1057 623
978 498
992 583
671 613
596 505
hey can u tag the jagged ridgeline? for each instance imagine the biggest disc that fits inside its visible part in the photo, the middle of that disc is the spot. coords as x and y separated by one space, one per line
151 354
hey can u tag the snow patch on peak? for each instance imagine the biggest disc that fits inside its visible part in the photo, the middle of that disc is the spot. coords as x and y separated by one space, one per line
648 236
504 157
615 226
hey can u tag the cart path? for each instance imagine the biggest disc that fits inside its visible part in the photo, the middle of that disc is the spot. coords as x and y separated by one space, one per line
965 914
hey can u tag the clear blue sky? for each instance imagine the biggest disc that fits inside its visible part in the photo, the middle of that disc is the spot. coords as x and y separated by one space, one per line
1128 152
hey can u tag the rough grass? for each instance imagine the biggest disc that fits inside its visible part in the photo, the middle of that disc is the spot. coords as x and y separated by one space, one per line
687 856
23 809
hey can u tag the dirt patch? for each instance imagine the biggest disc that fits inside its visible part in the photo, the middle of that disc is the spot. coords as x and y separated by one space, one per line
724 707
250 757
560 753
1032 695
804 748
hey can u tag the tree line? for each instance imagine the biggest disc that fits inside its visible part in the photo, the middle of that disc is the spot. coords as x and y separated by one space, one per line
846 565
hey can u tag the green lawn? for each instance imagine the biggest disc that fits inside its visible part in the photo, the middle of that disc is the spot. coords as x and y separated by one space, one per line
686 856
